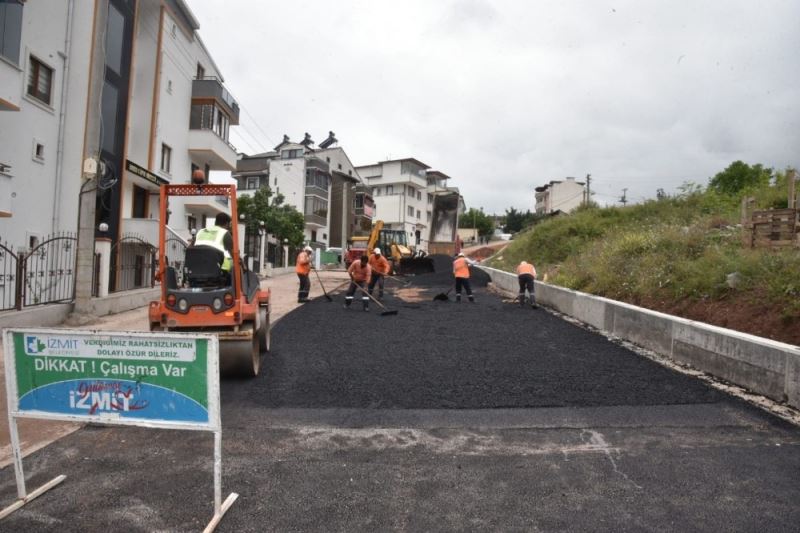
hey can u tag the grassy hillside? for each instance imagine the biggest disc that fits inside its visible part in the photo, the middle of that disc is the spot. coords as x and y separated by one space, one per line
677 255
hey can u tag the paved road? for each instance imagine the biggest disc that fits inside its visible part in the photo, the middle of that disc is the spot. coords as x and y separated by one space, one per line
444 417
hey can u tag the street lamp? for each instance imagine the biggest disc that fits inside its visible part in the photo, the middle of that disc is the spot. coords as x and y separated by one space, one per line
262 231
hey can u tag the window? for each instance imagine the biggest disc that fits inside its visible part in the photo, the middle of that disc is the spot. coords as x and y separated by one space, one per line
38 151
40 81
410 192
191 223
340 166
314 235
377 191
115 34
430 199
276 181
139 208
292 154
201 72
10 30
419 214
419 195
166 158
389 190
252 182
411 211
428 215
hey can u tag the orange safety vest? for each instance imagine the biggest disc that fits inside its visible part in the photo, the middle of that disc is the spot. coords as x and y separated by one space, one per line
526 269
379 264
358 273
461 268
303 264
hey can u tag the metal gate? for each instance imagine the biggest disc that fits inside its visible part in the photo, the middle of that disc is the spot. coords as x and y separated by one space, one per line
48 272
133 264
9 278
175 251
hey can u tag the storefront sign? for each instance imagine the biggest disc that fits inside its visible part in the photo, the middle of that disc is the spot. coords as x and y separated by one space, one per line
133 168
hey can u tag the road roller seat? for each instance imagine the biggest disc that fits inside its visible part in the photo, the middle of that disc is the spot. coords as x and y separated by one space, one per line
203 267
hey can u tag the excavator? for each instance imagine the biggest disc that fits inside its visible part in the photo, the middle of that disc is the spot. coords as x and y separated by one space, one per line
394 247
201 297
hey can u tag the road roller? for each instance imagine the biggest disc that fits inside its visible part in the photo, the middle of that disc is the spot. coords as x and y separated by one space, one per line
199 294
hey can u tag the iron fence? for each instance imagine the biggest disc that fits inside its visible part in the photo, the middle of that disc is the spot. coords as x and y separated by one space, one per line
48 271
133 264
9 278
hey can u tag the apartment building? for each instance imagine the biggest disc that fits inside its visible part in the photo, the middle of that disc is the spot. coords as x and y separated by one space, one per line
400 191
320 182
127 84
560 195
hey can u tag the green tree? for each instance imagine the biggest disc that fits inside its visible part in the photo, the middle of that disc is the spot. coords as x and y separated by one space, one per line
516 221
282 221
740 176
475 218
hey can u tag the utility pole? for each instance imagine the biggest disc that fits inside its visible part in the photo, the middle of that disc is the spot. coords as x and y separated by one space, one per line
624 198
588 191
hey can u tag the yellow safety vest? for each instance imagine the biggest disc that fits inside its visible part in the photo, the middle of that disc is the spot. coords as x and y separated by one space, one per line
213 237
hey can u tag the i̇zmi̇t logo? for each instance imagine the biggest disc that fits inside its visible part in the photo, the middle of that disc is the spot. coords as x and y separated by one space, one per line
50 345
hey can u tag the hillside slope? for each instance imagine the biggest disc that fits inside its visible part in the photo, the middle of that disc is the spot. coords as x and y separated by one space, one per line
682 256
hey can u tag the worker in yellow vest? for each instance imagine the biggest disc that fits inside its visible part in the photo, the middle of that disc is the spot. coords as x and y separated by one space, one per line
219 237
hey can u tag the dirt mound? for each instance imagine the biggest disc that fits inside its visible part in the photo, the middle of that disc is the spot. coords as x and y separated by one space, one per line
443 274
482 253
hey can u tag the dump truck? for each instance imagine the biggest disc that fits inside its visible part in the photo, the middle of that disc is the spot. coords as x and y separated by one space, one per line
444 224
201 297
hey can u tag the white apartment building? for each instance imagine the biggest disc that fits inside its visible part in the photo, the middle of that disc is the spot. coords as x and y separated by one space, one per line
309 179
128 83
560 195
400 190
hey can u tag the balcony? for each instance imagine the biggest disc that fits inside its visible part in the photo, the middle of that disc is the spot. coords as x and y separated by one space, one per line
144 228
313 190
11 83
206 145
209 88
316 220
317 163
206 205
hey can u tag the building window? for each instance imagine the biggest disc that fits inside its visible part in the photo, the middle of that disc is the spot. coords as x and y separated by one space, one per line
201 72
410 192
419 195
411 211
10 30
292 154
430 199
313 235
428 215
419 214
38 151
252 182
40 81
166 158
340 166
389 190
191 223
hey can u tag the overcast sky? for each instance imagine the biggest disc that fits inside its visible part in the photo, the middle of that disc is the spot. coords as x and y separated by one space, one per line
504 96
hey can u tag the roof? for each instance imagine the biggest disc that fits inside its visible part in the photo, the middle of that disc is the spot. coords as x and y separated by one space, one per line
417 161
438 173
543 188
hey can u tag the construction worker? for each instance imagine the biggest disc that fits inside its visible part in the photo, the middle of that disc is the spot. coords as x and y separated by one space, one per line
380 268
303 268
526 273
219 237
360 272
461 271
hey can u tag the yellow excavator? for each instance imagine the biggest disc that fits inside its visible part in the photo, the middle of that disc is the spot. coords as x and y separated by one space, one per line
392 243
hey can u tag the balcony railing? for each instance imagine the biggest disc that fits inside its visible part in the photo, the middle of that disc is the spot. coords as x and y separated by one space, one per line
212 87
313 190
319 220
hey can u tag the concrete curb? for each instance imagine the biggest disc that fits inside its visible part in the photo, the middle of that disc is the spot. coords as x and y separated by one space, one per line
761 365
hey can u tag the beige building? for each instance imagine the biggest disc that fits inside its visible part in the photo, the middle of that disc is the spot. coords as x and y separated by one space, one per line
560 195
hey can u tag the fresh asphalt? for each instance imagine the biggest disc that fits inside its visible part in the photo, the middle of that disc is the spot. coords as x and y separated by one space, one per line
445 417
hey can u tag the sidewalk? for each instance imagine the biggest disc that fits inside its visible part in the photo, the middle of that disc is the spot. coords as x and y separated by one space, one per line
35 434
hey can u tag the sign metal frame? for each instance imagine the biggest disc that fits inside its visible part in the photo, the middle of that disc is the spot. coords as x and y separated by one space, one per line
213 424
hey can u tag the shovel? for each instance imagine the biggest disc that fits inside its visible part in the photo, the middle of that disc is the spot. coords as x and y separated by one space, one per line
386 312
323 286
443 296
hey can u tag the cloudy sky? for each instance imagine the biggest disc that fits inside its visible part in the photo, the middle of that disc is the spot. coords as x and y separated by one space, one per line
506 95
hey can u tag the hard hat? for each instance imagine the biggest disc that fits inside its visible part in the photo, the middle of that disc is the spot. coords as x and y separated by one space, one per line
460 254
377 251
308 249
524 263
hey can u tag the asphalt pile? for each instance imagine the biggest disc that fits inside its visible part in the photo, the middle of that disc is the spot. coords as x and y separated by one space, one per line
437 355
442 276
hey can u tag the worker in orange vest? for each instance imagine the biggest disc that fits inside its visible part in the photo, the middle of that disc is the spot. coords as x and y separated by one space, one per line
461 271
526 273
360 272
303 268
380 268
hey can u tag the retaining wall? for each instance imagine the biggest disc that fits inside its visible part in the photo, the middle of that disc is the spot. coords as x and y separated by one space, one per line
761 365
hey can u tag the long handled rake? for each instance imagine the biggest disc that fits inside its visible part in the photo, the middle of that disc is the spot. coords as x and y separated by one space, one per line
323 286
386 311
